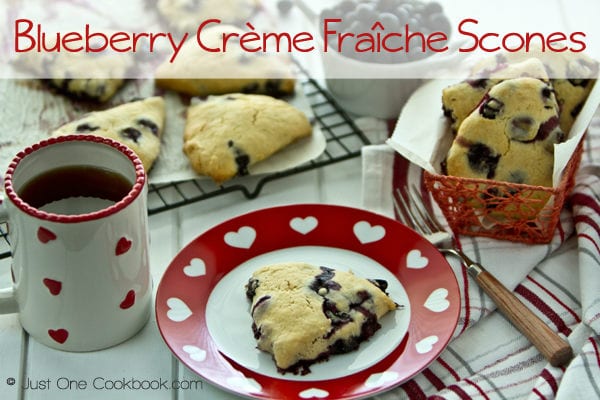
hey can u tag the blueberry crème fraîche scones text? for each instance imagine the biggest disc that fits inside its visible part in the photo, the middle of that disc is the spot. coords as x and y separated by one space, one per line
302 313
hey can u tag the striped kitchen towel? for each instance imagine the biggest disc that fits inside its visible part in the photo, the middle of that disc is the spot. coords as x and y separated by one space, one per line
560 281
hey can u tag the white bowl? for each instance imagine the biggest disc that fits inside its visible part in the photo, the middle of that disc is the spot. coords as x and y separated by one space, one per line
377 89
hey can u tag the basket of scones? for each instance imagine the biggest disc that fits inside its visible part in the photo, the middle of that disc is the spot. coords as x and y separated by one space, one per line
507 143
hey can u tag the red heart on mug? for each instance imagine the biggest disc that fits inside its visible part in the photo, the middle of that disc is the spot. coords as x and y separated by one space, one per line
123 246
53 286
59 335
44 235
128 301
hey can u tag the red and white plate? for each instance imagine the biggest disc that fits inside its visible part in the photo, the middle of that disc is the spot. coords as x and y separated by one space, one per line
203 314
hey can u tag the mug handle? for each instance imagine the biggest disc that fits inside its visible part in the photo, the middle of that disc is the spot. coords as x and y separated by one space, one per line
8 304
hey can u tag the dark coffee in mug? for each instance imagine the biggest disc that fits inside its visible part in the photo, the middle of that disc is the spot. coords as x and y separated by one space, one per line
75 189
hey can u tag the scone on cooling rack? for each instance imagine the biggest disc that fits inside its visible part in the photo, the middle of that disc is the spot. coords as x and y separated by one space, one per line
302 313
225 135
196 72
138 125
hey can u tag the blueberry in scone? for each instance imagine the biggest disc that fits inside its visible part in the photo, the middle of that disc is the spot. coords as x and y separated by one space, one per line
199 73
302 314
227 134
510 136
138 125
97 89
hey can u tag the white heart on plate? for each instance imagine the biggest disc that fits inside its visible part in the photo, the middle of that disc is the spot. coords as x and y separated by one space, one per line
314 393
365 233
178 310
381 378
242 239
437 300
415 260
303 225
195 353
244 384
195 268
426 345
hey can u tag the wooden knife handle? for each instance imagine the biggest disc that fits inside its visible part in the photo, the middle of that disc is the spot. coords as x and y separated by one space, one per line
556 350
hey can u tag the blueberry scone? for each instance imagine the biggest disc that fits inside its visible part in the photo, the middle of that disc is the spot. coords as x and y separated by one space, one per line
510 137
88 76
302 313
138 125
572 76
459 100
200 73
225 135
186 15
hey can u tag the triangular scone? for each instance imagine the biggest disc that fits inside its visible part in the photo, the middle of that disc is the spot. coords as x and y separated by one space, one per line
302 313
200 73
89 76
224 135
138 125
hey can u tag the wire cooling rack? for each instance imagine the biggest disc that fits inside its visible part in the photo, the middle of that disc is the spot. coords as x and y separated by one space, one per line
344 141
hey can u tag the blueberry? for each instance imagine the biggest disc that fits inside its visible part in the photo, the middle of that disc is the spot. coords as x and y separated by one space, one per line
347 5
517 176
366 12
490 108
520 128
250 87
577 109
86 128
387 5
251 287
273 87
390 22
433 8
242 160
149 124
483 159
478 83
579 82
131 133
402 14
285 6
439 23
546 92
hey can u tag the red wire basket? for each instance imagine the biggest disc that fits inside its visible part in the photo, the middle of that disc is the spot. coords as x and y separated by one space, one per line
501 210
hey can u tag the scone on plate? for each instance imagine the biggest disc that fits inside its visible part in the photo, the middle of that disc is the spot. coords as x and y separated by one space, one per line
200 73
138 125
302 313
510 137
225 135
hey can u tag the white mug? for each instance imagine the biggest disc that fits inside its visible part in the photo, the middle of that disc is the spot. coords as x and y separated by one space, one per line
80 267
